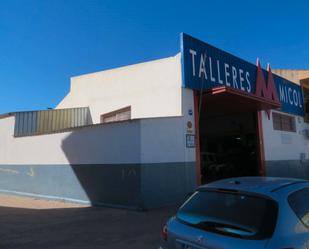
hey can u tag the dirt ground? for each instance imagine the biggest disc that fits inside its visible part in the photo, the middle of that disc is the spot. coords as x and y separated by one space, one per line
40 224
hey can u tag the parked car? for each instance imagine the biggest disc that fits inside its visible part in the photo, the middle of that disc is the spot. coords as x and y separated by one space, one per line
242 213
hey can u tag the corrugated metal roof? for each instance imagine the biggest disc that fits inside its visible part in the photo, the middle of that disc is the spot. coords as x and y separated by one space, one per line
48 121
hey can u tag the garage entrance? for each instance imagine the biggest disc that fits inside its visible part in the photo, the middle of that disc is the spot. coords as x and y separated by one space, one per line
229 134
228 144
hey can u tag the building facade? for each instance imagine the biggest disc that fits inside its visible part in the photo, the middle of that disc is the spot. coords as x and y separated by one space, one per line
146 135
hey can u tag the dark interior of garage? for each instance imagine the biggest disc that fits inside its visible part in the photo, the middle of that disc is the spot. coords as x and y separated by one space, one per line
228 137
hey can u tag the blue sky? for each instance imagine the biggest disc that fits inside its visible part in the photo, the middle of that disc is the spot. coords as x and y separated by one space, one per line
43 43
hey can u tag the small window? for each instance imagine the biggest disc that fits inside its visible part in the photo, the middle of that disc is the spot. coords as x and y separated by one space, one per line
118 115
300 205
283 122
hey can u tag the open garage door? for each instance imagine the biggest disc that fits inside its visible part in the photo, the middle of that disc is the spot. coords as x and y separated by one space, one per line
229 133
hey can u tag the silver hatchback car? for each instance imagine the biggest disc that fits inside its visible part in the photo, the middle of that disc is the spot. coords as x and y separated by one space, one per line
242 213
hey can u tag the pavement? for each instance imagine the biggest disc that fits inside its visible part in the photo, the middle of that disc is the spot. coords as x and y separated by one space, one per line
27 223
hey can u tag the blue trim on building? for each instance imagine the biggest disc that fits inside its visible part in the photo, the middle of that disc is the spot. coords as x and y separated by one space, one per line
288 168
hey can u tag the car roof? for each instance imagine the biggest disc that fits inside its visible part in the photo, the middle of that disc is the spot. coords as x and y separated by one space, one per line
255 184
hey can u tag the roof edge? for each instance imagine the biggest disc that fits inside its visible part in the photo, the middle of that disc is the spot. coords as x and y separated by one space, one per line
6 115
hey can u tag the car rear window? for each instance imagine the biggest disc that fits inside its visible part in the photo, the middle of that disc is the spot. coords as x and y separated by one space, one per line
230 213
300 205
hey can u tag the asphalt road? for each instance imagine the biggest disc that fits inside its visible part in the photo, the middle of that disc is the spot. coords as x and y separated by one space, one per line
35 224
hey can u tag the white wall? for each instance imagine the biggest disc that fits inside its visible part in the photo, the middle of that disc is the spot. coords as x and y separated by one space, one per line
188 116
163 140
6 134
152 89
111 143
282 145
155 140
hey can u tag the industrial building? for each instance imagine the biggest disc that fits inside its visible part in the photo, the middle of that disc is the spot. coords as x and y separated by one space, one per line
146 135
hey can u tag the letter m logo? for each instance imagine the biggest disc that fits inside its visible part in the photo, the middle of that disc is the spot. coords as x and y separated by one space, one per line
268 91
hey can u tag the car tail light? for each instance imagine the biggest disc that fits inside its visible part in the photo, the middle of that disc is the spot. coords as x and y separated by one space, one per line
164 232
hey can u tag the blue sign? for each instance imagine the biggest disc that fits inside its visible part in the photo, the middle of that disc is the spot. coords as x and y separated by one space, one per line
205 67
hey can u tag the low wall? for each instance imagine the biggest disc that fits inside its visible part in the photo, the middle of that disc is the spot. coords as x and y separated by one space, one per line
140 164
115 185
139 186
